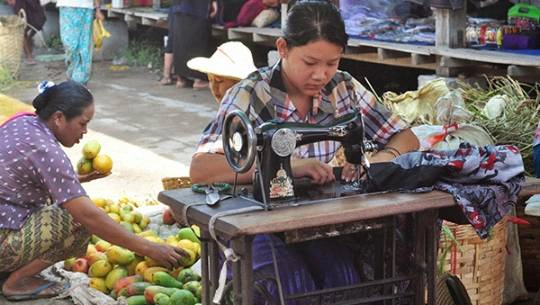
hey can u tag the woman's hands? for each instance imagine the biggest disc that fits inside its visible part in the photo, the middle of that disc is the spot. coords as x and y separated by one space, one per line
167 256
92 176
320 173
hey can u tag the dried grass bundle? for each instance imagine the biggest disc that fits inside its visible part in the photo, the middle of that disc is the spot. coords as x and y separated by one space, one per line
519 119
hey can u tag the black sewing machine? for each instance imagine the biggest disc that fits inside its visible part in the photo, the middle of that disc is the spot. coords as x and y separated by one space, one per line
272 143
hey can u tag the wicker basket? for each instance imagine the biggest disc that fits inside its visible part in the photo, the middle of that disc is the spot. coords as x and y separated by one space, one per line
171 183
11 42
529 239
478 263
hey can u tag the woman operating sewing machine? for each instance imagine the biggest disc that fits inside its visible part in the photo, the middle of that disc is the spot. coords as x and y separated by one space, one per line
305 86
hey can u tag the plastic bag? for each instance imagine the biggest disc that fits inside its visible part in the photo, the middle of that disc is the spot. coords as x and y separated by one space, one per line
99 32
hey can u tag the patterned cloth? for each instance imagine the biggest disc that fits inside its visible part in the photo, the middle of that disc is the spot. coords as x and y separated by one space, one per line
49 234
485 181
263 97
76 34
34 171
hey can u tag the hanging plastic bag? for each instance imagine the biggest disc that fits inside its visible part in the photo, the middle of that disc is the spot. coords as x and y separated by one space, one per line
99 32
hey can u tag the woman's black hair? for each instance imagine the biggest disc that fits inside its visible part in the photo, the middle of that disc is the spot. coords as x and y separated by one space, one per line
69 97
309 21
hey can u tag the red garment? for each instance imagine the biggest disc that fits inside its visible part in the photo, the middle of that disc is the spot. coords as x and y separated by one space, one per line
250 9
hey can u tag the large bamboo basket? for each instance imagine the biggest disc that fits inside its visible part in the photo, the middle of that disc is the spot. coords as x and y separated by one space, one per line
529 239
11 42
478 263
171 183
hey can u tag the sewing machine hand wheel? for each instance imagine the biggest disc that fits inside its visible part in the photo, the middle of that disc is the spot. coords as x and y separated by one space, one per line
239 141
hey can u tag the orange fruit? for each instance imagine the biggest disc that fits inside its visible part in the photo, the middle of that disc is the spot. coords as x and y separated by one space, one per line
102 163
84 166
91 149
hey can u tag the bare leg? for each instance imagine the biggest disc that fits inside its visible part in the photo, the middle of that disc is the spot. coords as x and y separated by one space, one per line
28 48
24 280
167 68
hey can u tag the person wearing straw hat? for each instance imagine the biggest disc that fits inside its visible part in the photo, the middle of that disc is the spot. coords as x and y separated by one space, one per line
231 62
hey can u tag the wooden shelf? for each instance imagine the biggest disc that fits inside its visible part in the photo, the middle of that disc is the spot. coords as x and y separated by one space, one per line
443 59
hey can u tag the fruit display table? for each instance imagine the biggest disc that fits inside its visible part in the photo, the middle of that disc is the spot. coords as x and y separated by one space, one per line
360 212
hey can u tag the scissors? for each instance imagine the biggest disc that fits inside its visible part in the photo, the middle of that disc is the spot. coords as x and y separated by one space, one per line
212 191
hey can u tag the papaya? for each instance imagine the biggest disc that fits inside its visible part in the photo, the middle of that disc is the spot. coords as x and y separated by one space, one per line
187 275
164 279
116 274
119 255
123 282
162 299
183 297
141 267
193 287
151 291
133 289
136 300
150 271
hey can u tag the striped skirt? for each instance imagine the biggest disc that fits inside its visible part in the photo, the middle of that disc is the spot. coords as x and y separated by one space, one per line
49 234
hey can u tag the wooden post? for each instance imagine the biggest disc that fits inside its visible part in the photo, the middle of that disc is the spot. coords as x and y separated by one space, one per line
450 27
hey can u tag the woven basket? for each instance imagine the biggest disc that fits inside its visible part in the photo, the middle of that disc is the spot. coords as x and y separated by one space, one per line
529 239
11 42
171 183
478 263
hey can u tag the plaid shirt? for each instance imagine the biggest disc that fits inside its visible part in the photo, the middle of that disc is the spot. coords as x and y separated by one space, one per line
262 96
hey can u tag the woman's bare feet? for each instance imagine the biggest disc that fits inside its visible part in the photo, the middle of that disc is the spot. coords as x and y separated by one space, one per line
33 287
200 84
181 82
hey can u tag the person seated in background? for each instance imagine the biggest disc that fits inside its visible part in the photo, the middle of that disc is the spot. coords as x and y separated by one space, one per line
304 86
231 62
45 214
35 17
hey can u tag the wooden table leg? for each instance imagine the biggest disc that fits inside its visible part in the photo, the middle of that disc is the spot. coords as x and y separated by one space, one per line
431 253
243 271
425 253
206 283
214 268
419 256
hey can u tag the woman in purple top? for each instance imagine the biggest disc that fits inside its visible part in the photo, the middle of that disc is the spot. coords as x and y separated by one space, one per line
45 214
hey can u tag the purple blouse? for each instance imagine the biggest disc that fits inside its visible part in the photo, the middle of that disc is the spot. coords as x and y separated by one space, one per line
34 171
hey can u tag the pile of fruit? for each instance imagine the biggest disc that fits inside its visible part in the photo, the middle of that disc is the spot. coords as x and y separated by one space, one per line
119 272
92 160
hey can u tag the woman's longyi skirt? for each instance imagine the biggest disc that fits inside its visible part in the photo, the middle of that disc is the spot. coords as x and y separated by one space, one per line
49 234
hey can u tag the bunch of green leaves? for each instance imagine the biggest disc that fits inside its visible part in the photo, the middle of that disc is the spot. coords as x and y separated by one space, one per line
6 80
54 42
144 54
521 113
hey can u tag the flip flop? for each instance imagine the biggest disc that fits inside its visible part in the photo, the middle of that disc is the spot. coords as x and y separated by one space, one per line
166 81
36 293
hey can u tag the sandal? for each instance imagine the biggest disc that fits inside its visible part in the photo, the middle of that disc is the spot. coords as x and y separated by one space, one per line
55 288
166 81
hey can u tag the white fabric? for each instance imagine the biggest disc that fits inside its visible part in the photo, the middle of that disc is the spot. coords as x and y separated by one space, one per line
75 3
79 291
